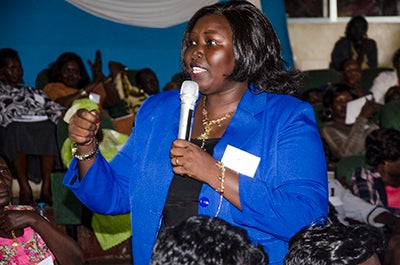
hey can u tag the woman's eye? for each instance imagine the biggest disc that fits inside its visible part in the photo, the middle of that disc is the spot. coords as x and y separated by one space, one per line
211 43
191 43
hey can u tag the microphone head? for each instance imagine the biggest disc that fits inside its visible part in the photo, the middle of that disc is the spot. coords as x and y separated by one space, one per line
189 92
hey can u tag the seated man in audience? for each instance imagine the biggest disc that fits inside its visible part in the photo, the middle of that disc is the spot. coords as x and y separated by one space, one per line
345 207
387 79
147 81
208 241
380 185
335 244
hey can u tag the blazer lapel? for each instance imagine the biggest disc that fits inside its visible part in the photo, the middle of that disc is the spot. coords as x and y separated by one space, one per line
243 124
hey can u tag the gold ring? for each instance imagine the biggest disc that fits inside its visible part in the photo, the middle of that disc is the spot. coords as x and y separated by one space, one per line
177 161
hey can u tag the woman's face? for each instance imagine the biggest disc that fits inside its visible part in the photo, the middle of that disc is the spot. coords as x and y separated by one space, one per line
12 72
71 74
5 183
339 105
351 74
209 57
149 83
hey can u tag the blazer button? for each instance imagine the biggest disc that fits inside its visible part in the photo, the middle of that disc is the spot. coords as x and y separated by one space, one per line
204 202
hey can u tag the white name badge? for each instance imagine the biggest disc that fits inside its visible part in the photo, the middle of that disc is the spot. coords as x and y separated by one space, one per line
39 98
240 161
46 261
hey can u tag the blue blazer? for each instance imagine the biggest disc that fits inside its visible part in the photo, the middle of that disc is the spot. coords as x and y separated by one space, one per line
288 190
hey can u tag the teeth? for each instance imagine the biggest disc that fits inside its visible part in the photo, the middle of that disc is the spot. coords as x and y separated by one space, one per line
197 70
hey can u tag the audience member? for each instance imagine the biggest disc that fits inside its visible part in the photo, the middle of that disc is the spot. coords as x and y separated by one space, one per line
163 181
208 241
380 184
355 45
27 120
393 94
387 79
28 238
348 207
147 81
131 95
69 80
351 76
345 139
336 244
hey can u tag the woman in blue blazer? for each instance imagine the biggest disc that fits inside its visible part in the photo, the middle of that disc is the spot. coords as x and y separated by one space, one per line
255 157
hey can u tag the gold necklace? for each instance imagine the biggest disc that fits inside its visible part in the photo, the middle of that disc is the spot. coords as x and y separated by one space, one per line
209 125
15 241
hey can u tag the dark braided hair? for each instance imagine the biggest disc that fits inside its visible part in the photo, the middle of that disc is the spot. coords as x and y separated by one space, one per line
382 145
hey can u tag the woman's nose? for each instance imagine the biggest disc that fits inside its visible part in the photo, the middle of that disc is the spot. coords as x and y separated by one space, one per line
197 53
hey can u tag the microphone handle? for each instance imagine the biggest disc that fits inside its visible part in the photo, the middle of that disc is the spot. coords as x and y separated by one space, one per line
185 123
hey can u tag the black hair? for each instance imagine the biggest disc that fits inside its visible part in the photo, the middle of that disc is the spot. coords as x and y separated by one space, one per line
353 21
334 244
6 54
139 77
390 93
202 240
329 96
256 47
382 145
56 67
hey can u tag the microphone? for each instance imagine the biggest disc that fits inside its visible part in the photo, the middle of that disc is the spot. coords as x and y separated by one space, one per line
189 94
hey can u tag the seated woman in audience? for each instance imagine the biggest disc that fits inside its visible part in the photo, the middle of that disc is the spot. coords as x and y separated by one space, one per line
345 139
387 79
69 80
27 122
355 45
335 244
28 238
351 76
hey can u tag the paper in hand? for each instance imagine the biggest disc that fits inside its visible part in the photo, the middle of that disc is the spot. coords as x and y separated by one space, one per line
354 108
